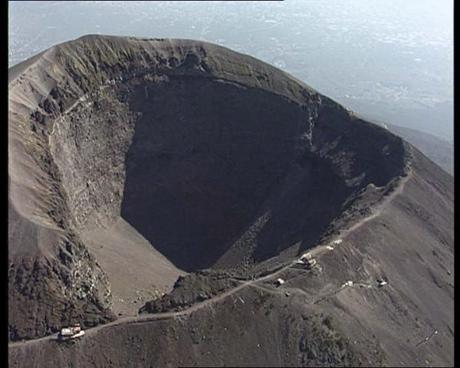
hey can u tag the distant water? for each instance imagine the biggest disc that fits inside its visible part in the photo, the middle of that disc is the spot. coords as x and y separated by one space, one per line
390 60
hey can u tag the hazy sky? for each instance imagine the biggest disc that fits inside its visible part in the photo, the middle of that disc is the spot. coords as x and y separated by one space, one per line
389 60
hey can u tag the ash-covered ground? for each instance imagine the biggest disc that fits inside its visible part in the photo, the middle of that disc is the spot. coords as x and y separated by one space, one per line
159 188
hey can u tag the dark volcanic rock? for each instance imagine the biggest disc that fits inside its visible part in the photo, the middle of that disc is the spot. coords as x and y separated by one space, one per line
218 161
265 330
191 289
214 141
47 291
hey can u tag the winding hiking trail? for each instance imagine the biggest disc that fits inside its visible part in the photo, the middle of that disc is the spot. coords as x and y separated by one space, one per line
315 252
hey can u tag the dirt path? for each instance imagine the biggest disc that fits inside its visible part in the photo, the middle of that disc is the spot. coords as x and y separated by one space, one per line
160 316
379 208
311 298
376 211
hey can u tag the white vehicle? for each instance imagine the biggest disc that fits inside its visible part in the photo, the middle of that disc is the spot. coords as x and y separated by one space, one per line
70 333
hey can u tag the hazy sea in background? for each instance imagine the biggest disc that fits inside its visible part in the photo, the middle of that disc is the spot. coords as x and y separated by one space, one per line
389 60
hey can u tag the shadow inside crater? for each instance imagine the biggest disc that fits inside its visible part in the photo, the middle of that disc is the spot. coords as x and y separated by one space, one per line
207 157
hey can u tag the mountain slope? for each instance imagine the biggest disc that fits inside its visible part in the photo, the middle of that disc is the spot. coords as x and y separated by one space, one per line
135 161
438 150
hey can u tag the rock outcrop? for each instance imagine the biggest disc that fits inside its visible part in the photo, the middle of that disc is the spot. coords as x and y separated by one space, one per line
180 156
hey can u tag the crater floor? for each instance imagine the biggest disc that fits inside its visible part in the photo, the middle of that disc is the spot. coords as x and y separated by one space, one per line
162 157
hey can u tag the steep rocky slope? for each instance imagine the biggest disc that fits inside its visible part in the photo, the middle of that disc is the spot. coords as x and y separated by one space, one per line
316 318
438 150
135 161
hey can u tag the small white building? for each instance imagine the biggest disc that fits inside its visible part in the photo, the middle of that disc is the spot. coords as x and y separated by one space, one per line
306 256
311 262
307 259
70 333
279 282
